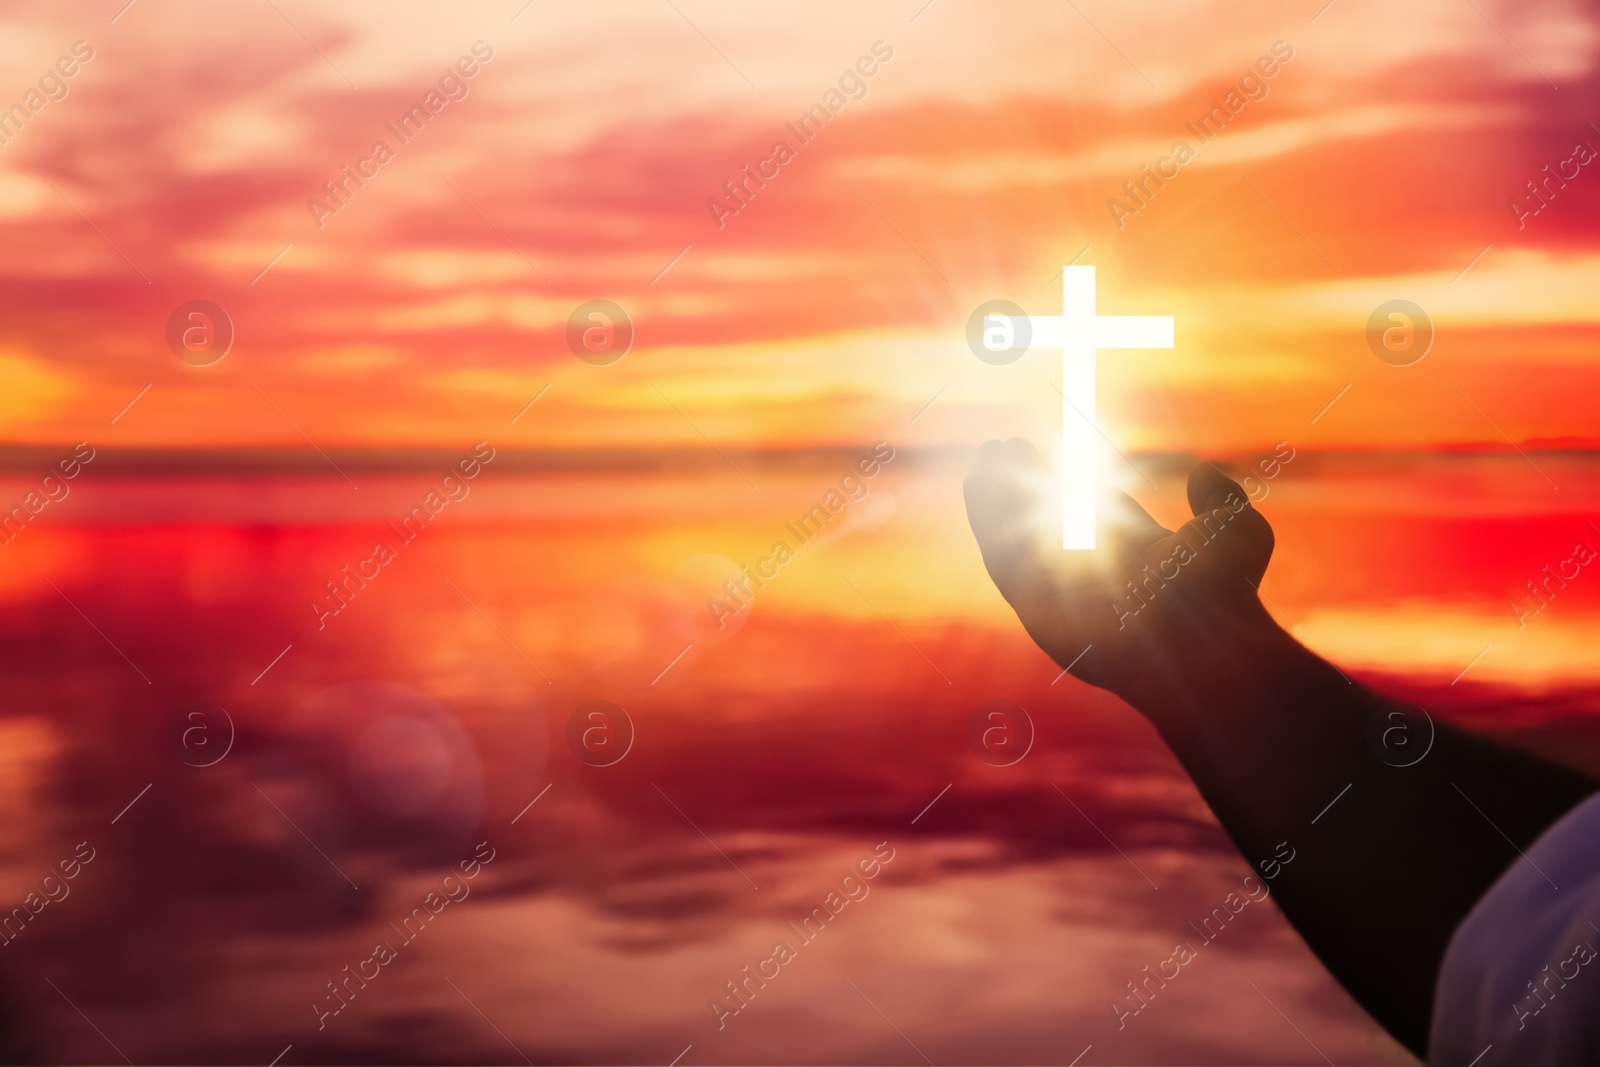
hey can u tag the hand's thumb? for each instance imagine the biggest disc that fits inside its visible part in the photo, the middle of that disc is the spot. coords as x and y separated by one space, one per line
1209 488
1213 494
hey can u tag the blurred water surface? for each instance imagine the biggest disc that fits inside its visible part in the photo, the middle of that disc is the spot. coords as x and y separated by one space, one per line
271 791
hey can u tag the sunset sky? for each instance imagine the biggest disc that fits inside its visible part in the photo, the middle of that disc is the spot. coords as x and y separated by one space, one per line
159 152
432 307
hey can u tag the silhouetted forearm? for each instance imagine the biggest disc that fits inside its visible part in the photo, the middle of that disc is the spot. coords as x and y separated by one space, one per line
1272 734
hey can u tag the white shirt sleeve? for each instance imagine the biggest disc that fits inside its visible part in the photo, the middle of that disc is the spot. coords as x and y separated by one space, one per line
1520 981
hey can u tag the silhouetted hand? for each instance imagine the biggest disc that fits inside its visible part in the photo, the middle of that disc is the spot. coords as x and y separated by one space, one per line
1134 613
1170 621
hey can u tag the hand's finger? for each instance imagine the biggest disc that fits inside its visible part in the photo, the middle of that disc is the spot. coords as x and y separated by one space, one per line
1025 455
1030 493
1006 459
1128 513
1032 497
1020 480
1004 552
1006 511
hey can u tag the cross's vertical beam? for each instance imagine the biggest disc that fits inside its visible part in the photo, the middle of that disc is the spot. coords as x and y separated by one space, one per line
1080 442
1078 332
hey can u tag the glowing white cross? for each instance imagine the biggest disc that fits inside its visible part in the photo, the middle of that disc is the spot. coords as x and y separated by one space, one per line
1078 332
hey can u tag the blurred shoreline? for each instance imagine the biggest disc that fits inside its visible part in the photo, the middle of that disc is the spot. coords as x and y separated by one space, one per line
246 461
